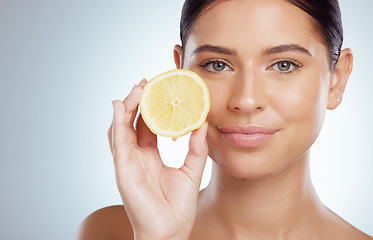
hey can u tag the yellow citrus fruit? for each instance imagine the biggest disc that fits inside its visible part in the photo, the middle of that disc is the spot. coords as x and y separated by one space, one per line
175 103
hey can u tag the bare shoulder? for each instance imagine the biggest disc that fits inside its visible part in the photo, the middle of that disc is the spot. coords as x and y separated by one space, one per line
349 232
338 228
109 223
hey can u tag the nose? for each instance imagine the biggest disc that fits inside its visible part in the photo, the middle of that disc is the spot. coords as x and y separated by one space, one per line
248 93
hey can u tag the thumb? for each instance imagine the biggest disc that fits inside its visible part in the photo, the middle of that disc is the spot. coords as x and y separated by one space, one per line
196 158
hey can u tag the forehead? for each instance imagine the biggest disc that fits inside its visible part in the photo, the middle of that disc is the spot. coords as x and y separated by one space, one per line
259 22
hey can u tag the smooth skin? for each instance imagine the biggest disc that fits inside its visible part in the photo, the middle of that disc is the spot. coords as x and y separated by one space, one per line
262 68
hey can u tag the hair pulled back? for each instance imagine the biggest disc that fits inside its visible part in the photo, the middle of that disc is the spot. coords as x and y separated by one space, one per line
325 13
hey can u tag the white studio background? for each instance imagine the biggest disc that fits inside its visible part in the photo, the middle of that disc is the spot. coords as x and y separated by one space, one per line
63 62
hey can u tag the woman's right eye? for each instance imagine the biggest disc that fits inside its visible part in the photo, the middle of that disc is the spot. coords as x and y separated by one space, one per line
216 66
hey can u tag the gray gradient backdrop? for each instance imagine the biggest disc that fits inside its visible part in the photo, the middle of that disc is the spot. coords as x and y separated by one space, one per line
63 62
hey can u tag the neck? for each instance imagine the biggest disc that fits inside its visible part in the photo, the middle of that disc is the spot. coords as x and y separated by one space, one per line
276 204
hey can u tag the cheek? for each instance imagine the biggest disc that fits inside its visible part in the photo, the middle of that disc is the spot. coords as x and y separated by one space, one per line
219 113
303 106
219 97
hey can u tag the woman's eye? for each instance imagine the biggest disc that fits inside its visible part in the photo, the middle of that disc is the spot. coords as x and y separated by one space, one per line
216 66
285 66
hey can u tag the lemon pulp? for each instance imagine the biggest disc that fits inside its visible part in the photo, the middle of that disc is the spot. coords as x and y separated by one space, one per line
175 103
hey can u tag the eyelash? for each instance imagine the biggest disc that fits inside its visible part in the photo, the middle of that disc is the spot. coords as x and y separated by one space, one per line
297 65
210 61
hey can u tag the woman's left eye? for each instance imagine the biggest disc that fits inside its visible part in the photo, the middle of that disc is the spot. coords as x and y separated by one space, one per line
216 66
285 66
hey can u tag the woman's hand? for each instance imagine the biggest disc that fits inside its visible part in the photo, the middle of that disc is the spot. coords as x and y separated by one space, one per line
161 202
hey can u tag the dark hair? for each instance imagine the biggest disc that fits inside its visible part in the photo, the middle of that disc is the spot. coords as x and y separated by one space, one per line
325 13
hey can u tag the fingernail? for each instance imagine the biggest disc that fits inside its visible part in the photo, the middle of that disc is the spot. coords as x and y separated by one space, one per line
134 86
142 82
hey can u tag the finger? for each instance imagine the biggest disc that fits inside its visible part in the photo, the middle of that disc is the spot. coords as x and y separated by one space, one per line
131 108
196 158
120 142
145 137
131 102
142 83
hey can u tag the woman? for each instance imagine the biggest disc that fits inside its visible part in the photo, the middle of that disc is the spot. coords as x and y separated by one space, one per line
273 67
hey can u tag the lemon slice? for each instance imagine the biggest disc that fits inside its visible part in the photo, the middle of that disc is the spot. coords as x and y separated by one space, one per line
175 103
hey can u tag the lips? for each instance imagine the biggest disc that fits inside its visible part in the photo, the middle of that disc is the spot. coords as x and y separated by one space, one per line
247 136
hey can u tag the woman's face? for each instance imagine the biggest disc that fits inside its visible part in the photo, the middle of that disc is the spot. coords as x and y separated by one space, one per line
268 76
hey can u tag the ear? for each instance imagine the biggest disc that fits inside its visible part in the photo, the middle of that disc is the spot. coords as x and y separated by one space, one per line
339 78
178 56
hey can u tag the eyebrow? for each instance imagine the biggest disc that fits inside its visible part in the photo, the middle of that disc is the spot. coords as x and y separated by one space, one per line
272 50
215 49
286 48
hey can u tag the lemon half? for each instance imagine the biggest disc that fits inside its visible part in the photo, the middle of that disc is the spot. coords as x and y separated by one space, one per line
175 103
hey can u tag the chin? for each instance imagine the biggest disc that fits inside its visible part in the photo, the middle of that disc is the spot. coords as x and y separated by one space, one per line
248 167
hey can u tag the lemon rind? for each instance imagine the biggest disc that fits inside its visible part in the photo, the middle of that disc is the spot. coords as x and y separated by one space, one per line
204 113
